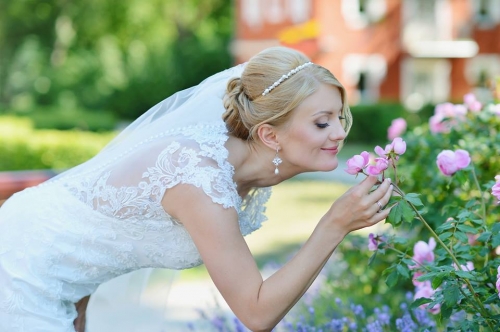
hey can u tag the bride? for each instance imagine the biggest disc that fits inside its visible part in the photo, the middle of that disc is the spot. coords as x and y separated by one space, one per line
182 186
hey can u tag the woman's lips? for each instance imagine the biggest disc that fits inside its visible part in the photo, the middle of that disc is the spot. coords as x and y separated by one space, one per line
331 150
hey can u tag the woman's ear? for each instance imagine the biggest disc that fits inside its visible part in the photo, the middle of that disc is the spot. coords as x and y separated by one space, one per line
267 135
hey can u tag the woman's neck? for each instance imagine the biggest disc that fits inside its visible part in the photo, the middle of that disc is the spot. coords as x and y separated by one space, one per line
253 165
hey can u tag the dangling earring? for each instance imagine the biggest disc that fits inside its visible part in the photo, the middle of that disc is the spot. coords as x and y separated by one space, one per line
276 161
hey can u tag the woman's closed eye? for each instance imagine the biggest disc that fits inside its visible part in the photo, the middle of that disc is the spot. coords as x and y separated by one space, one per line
322 125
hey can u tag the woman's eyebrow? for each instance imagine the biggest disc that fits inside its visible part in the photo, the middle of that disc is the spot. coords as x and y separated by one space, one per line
323 112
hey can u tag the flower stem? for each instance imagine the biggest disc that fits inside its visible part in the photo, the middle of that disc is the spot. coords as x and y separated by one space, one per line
483 205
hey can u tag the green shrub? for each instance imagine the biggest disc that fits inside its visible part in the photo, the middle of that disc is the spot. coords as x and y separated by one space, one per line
370 118
24 148
68 119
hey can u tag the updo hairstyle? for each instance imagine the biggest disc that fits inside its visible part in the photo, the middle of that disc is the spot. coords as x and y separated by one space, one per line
247 108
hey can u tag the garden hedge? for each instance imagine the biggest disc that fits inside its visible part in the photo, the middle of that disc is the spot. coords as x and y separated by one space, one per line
24 148
370 121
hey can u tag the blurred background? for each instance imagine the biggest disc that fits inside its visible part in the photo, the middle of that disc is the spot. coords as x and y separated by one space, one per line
96 65
73 73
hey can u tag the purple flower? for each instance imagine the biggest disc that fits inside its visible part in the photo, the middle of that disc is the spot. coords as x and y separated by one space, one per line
498 281
373 241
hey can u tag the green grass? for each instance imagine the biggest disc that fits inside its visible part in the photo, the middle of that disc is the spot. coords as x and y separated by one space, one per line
293 211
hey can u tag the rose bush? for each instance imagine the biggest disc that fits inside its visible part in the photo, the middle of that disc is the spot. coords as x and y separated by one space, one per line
455 273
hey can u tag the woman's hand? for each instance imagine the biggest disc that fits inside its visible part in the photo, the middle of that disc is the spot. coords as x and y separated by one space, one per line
81 308
360 206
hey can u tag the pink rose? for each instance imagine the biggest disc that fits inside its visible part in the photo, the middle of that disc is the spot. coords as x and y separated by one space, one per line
438 125
414 280
495 190
381 164
357 163
472 103
425 290
469 266
398 146
397 128
423 252
383 153
449 162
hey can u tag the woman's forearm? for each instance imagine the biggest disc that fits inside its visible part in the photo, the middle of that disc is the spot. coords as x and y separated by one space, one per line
280 292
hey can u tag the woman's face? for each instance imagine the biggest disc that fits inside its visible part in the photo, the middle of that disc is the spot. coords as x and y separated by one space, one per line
310 139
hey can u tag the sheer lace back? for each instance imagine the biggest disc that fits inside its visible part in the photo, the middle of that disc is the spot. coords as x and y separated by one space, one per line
134 188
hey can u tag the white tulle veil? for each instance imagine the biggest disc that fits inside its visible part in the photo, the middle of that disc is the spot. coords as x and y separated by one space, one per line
124 295
199 104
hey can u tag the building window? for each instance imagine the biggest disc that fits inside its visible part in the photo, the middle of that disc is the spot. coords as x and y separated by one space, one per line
481 72
358 14
424 81
257 13
486 13
426 20
365 73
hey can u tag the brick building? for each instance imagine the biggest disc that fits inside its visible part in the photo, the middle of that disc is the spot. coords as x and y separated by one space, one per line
413 51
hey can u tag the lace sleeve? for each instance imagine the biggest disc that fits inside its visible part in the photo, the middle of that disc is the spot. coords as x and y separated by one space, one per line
205 167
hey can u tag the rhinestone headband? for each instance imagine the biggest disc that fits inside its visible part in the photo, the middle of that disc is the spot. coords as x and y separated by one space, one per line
286 76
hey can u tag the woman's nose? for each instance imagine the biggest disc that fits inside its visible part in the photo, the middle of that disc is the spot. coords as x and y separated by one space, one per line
338 132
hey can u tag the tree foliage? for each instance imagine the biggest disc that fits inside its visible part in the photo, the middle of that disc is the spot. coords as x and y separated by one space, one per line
117 55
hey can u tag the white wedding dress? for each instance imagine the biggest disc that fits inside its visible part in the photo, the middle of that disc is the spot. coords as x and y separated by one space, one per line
60 240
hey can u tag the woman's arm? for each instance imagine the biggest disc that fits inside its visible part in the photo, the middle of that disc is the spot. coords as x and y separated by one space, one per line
81 309
260 304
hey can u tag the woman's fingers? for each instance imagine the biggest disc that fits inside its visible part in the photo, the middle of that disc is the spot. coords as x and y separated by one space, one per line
380 194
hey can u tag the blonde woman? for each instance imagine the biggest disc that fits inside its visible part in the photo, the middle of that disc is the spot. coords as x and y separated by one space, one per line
182 186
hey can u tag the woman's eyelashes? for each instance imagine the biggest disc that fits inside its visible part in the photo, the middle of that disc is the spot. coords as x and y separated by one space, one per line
326 124
322 125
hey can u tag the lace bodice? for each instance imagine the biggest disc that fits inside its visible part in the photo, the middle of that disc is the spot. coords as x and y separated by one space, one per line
83 229
195 155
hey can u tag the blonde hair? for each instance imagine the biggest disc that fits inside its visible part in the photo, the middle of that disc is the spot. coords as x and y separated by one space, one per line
247 108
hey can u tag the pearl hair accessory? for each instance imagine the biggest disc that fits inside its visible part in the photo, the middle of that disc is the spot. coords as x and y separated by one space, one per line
284 77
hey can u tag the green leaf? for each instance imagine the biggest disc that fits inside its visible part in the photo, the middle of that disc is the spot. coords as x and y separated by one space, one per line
437 281
396 215
414 199
392 279
464 274
372 258
491 299
445 235
418 302
445 226
467 229
495 242
451 295
484 237
477 221
445 313
403 271
462 237
407 212
464 215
